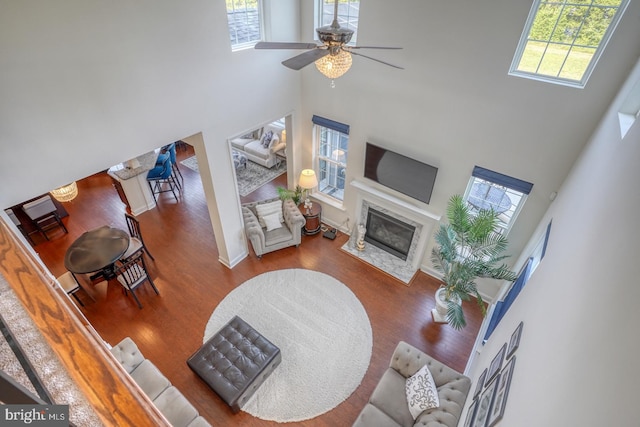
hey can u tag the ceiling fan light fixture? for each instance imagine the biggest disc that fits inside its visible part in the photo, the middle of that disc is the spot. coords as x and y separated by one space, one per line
334 66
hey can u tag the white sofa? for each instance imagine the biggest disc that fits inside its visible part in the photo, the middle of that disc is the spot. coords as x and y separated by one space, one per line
254 148
168 399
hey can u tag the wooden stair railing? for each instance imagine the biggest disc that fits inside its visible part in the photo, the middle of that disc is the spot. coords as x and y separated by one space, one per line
113 394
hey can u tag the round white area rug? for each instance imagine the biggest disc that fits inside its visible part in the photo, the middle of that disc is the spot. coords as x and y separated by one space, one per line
323 333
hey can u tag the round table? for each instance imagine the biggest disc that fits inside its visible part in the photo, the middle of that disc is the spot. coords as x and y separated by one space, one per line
97 250
485 196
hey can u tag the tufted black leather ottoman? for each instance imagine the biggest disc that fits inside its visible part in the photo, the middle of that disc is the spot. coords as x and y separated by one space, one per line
235 361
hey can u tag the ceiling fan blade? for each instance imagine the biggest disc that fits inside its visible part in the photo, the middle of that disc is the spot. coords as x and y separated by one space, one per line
300 61
374 59
373 47
285 45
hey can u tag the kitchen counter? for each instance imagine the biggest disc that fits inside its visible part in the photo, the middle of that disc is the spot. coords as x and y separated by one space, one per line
132 176
134 167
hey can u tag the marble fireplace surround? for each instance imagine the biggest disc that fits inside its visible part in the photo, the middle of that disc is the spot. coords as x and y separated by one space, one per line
423 220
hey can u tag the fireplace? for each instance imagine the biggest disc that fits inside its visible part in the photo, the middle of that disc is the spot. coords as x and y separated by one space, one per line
392 216
389 233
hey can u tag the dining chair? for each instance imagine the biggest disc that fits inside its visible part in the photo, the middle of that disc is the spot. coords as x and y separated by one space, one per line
136 243
161 180
70 285
132 273
44 215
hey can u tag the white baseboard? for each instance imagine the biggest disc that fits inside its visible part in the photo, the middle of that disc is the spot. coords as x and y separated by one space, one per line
233 262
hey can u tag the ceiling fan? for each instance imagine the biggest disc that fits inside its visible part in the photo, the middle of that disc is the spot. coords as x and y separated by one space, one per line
333 57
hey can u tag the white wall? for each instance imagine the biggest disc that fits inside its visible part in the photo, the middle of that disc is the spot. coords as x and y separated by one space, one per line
88 84
576 365
454 106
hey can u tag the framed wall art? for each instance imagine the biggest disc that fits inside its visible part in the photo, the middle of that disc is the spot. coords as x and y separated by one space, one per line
471 414
500 400
480 383
514 342
484 404
496 363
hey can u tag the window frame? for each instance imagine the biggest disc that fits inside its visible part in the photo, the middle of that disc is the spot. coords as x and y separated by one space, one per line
335 130
524 38
237 46
518 189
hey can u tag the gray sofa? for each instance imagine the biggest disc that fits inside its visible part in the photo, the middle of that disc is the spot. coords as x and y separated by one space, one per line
388 405
264 241
168 399
256 151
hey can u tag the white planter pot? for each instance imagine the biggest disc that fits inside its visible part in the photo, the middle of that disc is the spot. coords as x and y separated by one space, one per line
440 312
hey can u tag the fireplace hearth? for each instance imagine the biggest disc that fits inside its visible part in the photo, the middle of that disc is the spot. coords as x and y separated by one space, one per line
399 256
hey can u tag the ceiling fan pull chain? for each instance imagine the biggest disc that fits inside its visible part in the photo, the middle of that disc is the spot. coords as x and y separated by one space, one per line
332 84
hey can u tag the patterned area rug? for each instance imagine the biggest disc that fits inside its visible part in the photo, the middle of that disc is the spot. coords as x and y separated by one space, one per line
250 178
323 333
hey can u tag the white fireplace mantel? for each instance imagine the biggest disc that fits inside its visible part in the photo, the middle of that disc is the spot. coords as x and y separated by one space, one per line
372 191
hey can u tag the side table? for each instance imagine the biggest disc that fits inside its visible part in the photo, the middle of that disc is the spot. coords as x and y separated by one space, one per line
281 156
313 217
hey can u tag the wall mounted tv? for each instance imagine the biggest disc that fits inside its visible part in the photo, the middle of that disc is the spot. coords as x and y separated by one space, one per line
400 173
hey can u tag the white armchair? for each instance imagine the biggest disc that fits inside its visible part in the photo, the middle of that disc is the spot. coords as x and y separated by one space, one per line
267 234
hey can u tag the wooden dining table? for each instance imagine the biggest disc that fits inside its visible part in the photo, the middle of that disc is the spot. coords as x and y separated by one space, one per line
96 251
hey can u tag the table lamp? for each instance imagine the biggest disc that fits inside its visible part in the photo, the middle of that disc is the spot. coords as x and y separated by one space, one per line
307 181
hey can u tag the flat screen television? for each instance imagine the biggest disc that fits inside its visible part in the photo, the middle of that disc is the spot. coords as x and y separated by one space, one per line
400 173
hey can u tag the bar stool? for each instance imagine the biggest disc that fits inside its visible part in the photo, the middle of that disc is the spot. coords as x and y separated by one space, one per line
161 179
171 149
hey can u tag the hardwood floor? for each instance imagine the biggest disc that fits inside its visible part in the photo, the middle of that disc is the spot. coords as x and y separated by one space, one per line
191 281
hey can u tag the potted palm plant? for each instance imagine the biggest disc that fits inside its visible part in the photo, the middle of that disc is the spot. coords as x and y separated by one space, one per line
468 247
295 195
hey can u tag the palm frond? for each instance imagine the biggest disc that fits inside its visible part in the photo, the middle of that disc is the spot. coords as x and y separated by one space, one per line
458 213
455 316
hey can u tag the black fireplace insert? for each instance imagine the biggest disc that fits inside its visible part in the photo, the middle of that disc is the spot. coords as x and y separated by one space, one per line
389 233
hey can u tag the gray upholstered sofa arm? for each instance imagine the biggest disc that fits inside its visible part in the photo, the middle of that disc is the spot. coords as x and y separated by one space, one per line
294 219
253 230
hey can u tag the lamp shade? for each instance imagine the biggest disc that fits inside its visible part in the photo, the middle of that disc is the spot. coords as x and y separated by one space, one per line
334 66
66 193
308 179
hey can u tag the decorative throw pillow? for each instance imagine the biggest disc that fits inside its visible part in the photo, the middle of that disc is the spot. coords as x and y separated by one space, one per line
266 139
272 221
274 140
421 391
264 209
